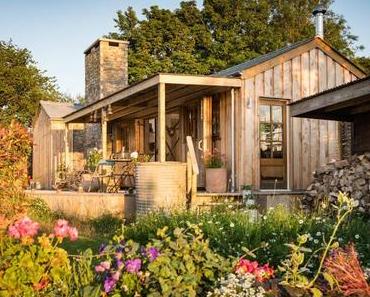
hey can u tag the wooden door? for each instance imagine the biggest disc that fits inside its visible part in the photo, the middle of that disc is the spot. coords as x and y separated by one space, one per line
193 128
272 129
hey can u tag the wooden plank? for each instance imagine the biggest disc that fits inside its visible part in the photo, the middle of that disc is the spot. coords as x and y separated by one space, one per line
333 146
278 81
104 132
249 140
314 124
258 91
193 157
207 124
323 125
268 83
183 79
339 75
161 122
306 155
296 129
287 79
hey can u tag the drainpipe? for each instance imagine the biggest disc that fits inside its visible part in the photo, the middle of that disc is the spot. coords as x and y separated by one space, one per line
232 140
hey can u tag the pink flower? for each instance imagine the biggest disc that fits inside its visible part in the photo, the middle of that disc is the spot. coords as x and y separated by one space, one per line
73 233
105 265
246 266
61 229
133 266
23 228
99 268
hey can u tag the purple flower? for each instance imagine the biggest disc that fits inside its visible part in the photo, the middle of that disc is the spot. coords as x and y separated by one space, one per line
109 284
102 248
152 253
133 266
119 263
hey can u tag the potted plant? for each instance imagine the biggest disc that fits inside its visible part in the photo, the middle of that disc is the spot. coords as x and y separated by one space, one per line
216 173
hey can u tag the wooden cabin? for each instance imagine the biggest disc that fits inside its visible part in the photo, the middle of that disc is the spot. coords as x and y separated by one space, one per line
48 136
241 112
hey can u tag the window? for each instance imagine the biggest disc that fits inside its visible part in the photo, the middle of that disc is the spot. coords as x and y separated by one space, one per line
271 131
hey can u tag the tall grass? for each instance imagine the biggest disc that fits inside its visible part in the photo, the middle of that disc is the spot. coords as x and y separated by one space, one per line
230 231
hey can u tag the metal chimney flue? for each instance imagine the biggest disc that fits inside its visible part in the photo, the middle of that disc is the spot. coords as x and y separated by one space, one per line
318 13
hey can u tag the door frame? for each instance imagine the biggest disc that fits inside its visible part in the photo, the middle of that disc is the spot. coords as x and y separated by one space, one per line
284 103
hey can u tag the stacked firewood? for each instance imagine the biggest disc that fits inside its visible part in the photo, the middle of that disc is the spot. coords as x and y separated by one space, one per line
351 176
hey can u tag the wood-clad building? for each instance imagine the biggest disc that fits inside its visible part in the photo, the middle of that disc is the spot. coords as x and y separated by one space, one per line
48 139
242 112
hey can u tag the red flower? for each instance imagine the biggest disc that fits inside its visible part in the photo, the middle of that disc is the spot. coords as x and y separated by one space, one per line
262 273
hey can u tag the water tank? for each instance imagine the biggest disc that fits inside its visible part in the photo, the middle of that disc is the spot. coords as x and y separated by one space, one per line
160 186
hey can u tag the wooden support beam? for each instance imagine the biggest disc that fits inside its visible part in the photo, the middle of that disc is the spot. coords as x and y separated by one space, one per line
66 146
161 122
104 133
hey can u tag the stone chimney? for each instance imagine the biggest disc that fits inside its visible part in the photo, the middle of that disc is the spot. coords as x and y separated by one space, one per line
318 13
106 68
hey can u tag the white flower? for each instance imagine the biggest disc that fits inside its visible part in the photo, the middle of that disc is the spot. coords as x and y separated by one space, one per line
318 234
134 155
316 241
357 236
232 225
300 222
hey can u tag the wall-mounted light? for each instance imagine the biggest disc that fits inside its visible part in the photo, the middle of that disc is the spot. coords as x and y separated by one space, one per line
91 117
95 117
109 111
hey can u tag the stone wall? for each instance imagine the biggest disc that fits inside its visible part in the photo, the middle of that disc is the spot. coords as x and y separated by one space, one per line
106 68
351 176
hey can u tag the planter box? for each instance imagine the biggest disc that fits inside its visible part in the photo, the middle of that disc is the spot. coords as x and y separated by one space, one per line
216 180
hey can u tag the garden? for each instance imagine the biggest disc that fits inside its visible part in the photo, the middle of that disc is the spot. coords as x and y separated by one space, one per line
219 252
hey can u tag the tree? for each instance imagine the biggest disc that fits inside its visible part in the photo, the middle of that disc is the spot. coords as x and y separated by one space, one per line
22 85
363 63
221 34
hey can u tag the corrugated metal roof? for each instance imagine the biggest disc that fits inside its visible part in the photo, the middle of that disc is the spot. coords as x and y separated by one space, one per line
258 60
57 110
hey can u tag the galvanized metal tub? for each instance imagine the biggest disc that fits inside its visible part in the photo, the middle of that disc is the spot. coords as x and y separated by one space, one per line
160 186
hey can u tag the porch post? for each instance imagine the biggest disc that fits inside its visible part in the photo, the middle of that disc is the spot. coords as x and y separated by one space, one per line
66 145
161 138
232 140
104 133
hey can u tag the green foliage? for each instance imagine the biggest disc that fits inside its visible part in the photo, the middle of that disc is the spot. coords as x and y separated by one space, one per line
176 264
230 230
294 271
364 63
28 269
220 34
106 225
15 147
22 85
93 159
214 160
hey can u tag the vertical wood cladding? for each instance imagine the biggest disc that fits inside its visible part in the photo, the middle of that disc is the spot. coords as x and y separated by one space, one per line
311 143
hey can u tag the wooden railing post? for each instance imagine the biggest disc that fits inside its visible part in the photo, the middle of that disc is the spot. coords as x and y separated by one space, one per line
192 170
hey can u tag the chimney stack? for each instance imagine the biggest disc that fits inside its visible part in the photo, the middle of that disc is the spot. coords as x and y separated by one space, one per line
106 68
318 13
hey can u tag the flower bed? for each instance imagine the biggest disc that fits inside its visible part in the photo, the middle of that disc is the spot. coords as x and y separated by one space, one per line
183 260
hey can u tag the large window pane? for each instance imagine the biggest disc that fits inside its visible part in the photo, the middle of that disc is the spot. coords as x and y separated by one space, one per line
265 132
277 132
264 113
277 114
265 148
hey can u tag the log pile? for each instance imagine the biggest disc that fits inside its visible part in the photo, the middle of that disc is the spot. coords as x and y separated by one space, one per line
351 176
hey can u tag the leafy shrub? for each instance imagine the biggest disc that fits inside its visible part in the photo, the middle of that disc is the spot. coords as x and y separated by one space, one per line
182 265
93 159
34 267
15 146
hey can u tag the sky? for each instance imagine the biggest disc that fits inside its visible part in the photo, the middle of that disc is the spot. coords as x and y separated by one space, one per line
58 31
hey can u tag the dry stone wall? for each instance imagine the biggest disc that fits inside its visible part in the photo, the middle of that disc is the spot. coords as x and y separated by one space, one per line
351 176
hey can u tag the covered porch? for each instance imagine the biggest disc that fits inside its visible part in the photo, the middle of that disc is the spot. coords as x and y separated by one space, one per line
154 117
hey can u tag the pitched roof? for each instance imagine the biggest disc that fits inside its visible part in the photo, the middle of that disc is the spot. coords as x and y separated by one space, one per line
264 61
260 59
57 110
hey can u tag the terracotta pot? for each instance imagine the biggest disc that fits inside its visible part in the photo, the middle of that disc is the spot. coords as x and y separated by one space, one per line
216 180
